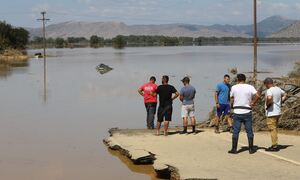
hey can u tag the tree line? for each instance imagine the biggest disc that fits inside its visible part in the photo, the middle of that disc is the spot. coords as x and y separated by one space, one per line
12 37
138 41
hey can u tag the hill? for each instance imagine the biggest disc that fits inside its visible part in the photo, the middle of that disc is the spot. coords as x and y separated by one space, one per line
292 30
112 29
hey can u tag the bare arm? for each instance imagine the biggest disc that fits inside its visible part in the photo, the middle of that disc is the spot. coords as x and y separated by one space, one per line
176 96
141 92
181 98
269 100
231 102
217 100
153 94
284 97
255 100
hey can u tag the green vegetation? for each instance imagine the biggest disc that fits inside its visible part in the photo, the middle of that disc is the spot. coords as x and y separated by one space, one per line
76 42
96 41
12 38
59 43
120 42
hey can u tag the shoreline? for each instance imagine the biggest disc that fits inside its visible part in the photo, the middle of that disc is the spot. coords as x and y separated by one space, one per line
149 46
166 167
10 56
169 161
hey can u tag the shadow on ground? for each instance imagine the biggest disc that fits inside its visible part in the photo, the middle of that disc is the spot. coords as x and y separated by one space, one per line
246 148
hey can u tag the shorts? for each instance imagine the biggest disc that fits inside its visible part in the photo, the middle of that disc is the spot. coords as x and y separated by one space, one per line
223 110
187 111
164 113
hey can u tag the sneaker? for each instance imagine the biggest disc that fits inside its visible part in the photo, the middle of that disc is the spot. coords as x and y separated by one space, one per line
217 131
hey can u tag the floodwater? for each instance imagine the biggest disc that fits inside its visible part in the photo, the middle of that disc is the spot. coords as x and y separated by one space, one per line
60 137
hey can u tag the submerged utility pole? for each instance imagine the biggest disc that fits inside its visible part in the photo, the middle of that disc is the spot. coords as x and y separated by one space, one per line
44 47
254 41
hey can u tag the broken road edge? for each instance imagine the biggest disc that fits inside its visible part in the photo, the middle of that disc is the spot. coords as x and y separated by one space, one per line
148 158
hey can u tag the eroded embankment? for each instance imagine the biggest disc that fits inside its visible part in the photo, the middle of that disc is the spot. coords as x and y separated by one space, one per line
140 156
204 155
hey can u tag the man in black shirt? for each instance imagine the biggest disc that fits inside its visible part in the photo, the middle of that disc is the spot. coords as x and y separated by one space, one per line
165 108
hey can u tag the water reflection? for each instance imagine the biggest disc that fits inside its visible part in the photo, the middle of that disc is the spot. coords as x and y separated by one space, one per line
142 169
8 67
82 105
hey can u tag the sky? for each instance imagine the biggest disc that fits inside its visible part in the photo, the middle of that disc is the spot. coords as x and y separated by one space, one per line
205 12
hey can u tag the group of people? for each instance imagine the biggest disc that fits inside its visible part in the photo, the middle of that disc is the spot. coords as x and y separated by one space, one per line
241 97
167 94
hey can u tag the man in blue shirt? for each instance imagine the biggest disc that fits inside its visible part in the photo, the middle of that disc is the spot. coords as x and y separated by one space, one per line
222 98
187 95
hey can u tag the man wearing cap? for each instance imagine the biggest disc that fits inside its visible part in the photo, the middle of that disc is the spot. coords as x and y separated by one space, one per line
244 98
150 99
222 99
273 98
187 95
165 109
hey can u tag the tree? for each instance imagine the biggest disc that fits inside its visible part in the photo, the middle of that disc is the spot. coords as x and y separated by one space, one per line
10 37
96 41
19 38
119 42
59 43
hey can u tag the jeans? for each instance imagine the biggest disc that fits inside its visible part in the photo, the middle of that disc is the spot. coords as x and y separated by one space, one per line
238 120
151 110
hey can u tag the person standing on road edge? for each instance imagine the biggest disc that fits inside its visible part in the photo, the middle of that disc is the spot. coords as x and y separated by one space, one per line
222 99
165 109
273 98
187 95
150 99
244 98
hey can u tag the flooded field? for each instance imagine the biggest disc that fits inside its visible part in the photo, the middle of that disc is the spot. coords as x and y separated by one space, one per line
60 136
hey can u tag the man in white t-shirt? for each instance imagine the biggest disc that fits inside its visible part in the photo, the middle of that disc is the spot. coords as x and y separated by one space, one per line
274 97
244 98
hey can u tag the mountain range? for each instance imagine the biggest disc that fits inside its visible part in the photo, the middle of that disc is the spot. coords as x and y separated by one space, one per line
268 27
292 30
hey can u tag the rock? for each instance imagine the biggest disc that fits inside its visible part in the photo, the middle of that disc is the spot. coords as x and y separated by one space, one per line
289 87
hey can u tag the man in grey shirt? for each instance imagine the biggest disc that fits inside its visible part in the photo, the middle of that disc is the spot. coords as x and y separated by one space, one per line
187 95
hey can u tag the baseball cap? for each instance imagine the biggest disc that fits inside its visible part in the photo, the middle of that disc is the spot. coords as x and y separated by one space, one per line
186 79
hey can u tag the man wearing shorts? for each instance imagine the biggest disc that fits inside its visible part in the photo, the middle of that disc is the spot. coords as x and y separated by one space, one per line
274 97
150 99
222 98
187 95
165 92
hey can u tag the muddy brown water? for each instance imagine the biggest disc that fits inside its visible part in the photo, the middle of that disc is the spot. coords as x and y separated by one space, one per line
61 138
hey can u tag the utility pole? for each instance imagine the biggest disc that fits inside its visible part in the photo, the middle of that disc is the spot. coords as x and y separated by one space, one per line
255 41
44 55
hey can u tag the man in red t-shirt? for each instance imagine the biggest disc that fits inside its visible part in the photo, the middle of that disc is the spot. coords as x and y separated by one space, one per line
148 91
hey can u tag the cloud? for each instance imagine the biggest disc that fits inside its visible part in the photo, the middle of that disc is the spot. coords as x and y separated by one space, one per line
158 11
